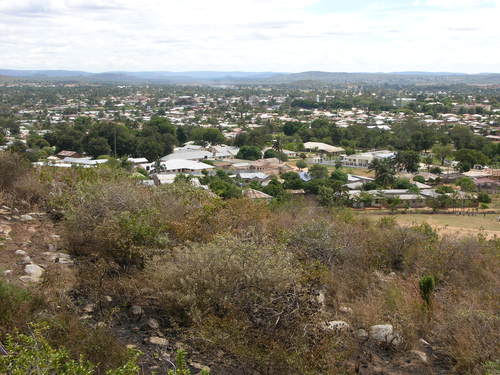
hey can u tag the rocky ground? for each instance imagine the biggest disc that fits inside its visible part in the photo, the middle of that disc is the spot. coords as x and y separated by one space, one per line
31 250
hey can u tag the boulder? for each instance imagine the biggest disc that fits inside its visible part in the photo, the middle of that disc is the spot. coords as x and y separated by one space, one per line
26 218
88 308
34 271
26 260
153 323
337 325
21 253
136 310
384 333
361 333
155 340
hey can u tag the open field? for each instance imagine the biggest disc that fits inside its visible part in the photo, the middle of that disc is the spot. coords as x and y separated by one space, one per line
449 224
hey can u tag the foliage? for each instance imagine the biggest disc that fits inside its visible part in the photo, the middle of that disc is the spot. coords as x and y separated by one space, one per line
426 285
249 153
181 367
33 355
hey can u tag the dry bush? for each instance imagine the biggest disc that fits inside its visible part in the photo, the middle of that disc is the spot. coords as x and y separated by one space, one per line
17 307
244 297
20 184
98 345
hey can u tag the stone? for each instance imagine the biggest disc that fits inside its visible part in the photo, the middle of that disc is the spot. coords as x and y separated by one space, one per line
421 355
153 323
345 310
361 333
88 308
155 340
199 366
385 333
26 218
86 317
26 279
337 325
7 272
21 253
131 346
34 271
136 310
52 247
26 260
108 299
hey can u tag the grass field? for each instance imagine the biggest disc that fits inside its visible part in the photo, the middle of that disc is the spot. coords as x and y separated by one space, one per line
449 224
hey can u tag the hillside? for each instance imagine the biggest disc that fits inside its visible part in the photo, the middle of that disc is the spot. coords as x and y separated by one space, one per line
106 263
211 77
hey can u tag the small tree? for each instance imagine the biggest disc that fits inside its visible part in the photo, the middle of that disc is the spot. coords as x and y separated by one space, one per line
301 164
427 285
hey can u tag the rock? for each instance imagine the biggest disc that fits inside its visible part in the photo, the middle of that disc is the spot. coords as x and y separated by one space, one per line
26 260
89 308
345 310
421 355
7 273
26 218
321 298
108 299
52 247
21 253
385 333
136 310
131 346
26 279
55 236
34 271
86 317
361 333
199 366
153 323
155 340
337 325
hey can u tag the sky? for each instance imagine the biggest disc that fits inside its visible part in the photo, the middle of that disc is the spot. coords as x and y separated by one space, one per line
251 35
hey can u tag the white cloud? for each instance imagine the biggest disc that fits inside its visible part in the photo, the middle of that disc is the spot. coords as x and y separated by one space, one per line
260 35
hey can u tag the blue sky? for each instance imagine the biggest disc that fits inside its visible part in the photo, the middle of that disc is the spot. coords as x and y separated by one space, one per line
251 35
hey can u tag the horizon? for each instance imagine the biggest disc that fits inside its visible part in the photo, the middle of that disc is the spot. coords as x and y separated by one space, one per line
35 70
291 36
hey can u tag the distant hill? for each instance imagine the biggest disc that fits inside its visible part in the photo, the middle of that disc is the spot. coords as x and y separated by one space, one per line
238 77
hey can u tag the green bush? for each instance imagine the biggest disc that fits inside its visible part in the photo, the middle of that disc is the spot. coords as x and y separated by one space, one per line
31 354
427 285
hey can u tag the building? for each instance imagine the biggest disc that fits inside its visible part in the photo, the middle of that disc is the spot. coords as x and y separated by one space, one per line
363 160
323 147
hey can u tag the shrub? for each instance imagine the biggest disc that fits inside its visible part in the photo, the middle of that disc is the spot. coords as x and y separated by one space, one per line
244 297
32 354
426 285
17 306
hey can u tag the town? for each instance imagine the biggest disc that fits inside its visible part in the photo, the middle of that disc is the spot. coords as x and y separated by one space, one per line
387 148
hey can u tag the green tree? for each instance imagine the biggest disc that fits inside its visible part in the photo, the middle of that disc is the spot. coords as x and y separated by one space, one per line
249 153
97 146
407 160
318 172
384 172
301 164
442 152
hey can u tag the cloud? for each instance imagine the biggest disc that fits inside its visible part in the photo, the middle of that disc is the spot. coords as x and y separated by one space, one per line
257 35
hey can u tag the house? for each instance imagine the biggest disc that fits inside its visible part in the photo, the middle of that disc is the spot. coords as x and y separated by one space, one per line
255 194
255 176
194 152
137 161
323 147
363 160
486 184
269 166
83 162
184 166
68 154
